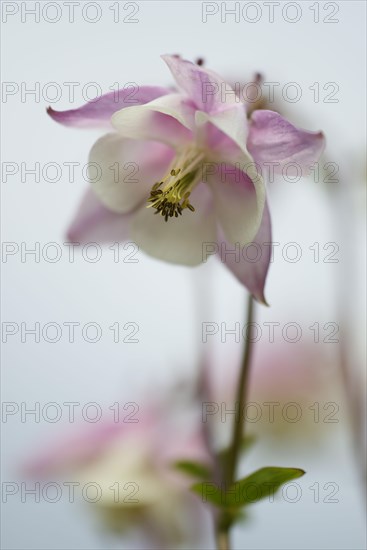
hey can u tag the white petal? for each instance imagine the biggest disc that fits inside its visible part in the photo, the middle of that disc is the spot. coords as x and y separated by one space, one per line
179 240
125 170
232 121
239 195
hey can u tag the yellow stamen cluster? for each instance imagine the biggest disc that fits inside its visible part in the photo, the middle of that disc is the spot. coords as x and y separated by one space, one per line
171 195
172 201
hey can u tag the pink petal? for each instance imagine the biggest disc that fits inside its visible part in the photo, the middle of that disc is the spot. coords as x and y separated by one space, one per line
168 119
93 222
273 139
250 264
97 113
208 90
74 449
83 444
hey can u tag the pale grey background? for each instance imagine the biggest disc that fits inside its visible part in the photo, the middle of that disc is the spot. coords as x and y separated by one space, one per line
105 292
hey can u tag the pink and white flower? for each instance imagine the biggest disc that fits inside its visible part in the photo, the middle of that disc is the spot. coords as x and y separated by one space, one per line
199 162
132 466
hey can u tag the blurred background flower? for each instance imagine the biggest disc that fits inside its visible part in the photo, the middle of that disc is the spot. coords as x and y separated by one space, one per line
131 467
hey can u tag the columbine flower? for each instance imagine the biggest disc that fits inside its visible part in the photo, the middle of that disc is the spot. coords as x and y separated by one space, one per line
294 376
132 465
198 159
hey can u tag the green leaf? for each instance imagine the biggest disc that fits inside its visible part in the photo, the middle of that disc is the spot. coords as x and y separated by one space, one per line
261 484
209 492
194 469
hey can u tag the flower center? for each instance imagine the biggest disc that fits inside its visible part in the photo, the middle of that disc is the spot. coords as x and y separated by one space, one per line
171 195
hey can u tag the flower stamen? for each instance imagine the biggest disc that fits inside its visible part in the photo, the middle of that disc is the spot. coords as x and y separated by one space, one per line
171 199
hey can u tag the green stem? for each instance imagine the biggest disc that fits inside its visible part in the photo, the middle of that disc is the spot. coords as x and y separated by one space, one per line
242 387
222 539
238 426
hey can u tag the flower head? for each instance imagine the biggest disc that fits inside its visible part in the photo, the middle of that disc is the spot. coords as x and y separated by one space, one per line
132 467
197 159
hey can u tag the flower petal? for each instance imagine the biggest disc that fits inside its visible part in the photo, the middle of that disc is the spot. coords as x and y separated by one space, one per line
250 264
239 198
93 222
168 119
207 89
98 112
123 171
181 239
231 122
273 139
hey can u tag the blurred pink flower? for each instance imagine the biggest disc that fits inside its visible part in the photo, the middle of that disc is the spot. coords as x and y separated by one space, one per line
294 388
194 150
133 465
